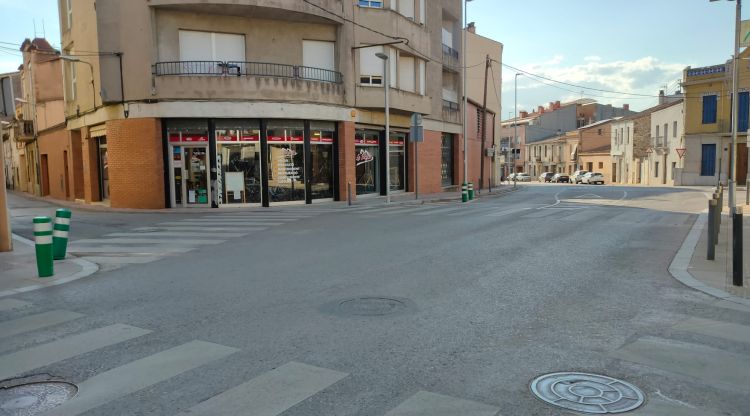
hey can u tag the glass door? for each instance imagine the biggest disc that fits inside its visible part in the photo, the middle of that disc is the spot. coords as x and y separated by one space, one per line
367 161
103 168
286 161
195 176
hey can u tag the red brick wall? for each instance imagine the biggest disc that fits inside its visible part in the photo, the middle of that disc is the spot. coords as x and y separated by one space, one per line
54 144
475 146
347 172
429 163
136 164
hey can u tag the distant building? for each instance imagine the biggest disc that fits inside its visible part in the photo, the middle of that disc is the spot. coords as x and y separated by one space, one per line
664 165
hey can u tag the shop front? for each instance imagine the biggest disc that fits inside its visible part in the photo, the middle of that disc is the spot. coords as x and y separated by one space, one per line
370 152
250 162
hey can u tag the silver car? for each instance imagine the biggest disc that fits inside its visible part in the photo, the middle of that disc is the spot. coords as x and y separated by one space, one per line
577 176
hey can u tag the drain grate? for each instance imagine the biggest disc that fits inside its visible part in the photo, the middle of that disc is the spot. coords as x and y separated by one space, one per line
371 306
587 393
34 398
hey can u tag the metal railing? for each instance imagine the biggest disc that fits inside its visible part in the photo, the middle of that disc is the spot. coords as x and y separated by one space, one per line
450 56
240 68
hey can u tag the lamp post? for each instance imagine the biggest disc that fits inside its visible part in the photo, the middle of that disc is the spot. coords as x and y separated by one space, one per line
6 243
387 88
515 122
91 67
737 263
463 72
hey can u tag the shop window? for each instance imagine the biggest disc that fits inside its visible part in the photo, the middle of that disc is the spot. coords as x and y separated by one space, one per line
286 160
398 161
446 160
322 138
238 180
367 161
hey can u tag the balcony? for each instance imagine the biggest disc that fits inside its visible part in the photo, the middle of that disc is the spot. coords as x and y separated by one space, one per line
237 80
405 101
237 68
24 130
451 112
450 58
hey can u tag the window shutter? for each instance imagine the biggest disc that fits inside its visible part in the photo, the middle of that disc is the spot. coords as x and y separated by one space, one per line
406 73
369 64
319 54
228 47
196 46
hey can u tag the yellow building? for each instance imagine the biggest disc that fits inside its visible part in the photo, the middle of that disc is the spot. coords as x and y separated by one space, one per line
708 111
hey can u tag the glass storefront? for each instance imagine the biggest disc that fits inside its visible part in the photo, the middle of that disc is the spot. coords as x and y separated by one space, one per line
101 143
321 149
397 161
286 161
238 179
367 161
446 160
189 163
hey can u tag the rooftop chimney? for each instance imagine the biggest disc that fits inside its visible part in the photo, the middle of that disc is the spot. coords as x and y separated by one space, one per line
540 109
523 114
626 107
557 105
662 98
472 28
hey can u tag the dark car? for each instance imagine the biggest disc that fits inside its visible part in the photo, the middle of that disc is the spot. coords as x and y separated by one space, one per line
546 177
560 178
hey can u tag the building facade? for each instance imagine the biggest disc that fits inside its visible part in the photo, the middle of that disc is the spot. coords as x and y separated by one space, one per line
203 103
707 123
10 89
667 142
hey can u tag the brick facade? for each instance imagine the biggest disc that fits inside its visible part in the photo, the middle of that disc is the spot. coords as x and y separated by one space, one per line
136 164
347 172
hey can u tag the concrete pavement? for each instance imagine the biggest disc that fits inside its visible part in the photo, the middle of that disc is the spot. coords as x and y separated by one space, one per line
440 308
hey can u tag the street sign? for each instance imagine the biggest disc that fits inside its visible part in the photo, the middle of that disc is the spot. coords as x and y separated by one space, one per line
745 34
416 131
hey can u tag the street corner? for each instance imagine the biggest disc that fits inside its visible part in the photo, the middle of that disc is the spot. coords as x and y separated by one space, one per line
20 273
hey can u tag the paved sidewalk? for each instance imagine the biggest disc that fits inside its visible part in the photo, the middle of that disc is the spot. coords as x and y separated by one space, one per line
19 273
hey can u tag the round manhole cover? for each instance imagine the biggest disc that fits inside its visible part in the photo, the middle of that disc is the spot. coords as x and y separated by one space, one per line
587 393
371 306
34 398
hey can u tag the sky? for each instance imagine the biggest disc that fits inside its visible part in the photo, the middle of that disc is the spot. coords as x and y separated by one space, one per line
633 46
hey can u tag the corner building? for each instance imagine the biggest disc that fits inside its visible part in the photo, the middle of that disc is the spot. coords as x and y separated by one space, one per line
201 103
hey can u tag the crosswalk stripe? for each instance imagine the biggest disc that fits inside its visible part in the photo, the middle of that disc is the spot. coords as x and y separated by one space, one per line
42 355
10 304
439 211
379 209
407 211
431 404
139 374
726 330
34 322
270 394
176 234
508 212
219 223
711 365
123 240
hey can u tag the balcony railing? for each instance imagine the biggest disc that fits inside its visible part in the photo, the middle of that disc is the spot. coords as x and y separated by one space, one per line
450 57
24 130
239 68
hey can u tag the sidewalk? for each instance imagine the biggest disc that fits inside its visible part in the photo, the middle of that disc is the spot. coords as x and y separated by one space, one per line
19 273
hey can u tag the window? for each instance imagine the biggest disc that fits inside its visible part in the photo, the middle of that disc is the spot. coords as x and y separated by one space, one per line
446 160
73 80
709 109
744 109
599 132
406 7
628 136
656 169
371 3
370 66
422 75
210 46
69 13
319 54
656 136
406 73
674 129
666 133
601 165
708 160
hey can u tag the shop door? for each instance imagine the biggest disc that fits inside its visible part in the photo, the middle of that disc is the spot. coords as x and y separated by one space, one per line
190 176
367 161
103 168
286 172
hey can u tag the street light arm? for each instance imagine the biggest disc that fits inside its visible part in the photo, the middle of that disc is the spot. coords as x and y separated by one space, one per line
91 68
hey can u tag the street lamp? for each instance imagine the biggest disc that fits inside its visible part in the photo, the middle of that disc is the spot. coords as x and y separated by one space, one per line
737 272
387 89
463 71
515 122
91 67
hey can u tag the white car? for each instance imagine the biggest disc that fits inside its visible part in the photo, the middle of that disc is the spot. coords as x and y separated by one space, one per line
523 177
577 176
593 178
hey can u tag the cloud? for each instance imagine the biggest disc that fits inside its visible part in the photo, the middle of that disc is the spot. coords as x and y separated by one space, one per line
592 58
556 60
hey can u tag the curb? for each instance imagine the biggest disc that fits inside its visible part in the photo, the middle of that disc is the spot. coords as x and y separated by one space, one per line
87 269
679 266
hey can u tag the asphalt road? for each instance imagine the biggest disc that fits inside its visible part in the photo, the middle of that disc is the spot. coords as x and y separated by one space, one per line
405 310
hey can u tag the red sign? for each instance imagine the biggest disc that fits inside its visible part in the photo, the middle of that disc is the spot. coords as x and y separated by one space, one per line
174 137
397 142
323 140
681 152
194 138
251 138
285 139
226 138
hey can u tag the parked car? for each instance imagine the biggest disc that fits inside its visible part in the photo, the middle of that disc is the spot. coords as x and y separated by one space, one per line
546 177
560 178
577 176
512 177
593 178
523 177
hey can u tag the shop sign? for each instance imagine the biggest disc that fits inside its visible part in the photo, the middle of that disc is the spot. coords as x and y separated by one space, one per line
285 139
323 140
250 138
175 137
398 142
366 141
363 156
286 170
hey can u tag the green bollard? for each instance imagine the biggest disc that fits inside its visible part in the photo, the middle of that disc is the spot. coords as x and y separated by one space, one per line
471 191
464 193
43 238
60 233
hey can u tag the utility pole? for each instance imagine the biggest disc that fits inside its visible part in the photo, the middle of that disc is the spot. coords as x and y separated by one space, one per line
6 244
484 123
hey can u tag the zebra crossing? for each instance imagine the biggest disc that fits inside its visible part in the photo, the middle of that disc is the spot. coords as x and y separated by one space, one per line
269 394
173 237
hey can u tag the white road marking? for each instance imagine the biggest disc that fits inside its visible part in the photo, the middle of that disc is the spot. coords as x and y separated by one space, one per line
10 304
34 322
430 404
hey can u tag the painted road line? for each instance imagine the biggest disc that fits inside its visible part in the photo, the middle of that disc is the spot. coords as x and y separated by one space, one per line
438 211
242 219
270 394
123 240
430 404
508 212
129 378
10 304
711 365
42 355
726 330
186 234
380 209
198 225
222 228
407 211
153 249
34 322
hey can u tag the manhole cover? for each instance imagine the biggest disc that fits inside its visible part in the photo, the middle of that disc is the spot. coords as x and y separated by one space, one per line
587 393
34 398
371 306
